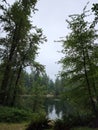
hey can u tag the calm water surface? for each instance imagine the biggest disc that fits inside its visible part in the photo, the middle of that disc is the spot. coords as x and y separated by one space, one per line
53 115
54 108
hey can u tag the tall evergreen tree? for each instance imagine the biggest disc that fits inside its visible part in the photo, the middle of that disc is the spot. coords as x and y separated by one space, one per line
80 63
20 45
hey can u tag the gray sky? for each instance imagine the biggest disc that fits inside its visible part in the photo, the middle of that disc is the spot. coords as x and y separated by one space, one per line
51 18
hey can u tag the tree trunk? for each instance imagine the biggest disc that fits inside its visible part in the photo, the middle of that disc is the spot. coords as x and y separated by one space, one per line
6 77
92 77
15 87
5 81
88 84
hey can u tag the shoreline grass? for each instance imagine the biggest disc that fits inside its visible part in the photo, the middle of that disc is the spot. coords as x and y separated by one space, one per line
13 126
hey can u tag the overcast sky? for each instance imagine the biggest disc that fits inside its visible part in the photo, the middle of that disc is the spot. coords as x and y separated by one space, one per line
51 17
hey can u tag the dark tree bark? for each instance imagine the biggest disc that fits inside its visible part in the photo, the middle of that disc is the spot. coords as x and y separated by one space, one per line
15 87
6 76
88 85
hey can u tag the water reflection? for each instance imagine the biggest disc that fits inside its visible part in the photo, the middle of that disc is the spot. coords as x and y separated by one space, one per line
56 108
53 115
53 108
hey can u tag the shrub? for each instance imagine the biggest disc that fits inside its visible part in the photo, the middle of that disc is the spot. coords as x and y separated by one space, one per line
39 122
74 120
59 125
13 115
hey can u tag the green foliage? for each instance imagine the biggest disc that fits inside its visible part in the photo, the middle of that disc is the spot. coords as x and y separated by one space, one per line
59 125
36 87
39 122
14 115
32 103
75 120
38 84
59 88
95 10
19 46
80 62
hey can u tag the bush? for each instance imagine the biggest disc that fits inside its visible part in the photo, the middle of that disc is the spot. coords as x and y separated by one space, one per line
59 125
75 120
13 115
39 122
72 119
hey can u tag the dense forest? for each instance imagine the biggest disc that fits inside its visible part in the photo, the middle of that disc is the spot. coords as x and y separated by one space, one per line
25 96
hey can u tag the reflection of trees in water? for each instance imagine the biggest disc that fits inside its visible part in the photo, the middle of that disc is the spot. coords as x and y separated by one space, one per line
61 107
48 104
58 105
50 108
